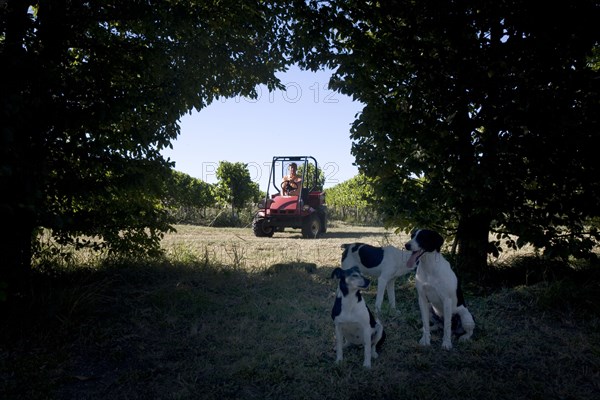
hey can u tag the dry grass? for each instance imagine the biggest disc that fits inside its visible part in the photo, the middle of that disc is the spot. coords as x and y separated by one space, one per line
230 316
239 248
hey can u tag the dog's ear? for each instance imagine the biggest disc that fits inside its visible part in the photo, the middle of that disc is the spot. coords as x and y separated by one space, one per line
352 270
413 233
345 252
337 273
430 241
439 241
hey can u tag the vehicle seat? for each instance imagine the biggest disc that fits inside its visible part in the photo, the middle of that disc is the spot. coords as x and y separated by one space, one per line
304 195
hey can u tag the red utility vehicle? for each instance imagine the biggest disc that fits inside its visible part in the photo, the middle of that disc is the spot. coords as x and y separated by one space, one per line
306 211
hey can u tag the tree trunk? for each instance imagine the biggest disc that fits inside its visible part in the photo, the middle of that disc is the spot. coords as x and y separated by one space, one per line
15 247
18 159
472 238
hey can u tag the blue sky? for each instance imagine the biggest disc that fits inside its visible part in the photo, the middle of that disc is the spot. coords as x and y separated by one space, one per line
306 119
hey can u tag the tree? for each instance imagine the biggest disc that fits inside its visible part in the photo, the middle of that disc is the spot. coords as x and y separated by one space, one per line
235 186
478 117
188 197
91 93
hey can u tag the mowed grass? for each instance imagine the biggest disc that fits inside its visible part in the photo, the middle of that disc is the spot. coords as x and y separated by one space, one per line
229 316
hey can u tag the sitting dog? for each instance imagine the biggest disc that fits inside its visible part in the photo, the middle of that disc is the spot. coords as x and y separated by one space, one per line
353 320
438 289
385 263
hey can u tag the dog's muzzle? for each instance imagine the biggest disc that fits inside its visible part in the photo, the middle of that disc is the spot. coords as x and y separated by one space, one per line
365 284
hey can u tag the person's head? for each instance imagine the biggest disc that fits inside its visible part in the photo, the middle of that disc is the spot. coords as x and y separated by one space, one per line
293 167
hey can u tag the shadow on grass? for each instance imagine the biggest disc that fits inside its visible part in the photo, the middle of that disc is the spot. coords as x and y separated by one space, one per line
188 331
352 235
278 268
297 234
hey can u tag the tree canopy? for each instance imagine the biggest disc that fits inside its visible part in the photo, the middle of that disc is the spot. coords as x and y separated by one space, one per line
91 93
479 115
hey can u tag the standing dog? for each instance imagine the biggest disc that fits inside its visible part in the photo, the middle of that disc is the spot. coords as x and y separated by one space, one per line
438 288
353 320
385 263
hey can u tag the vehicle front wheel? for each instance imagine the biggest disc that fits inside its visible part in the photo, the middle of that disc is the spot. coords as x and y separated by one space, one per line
311 227
260 230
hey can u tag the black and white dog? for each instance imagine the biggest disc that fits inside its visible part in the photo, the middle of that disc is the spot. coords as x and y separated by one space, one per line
438 288
385 263
353 320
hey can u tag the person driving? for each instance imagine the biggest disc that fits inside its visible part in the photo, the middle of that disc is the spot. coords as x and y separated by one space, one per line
291 183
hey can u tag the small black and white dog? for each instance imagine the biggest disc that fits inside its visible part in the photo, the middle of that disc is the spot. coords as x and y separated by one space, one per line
385 263
353 320
438 289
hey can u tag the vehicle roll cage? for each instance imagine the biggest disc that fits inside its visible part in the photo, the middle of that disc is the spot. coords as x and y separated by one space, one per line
285 160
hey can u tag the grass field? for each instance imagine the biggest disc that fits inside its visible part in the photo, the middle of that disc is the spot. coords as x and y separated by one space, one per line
229 316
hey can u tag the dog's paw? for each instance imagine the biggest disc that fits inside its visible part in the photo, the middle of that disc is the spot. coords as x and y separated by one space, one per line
425 341
464 338
367 364
447 345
